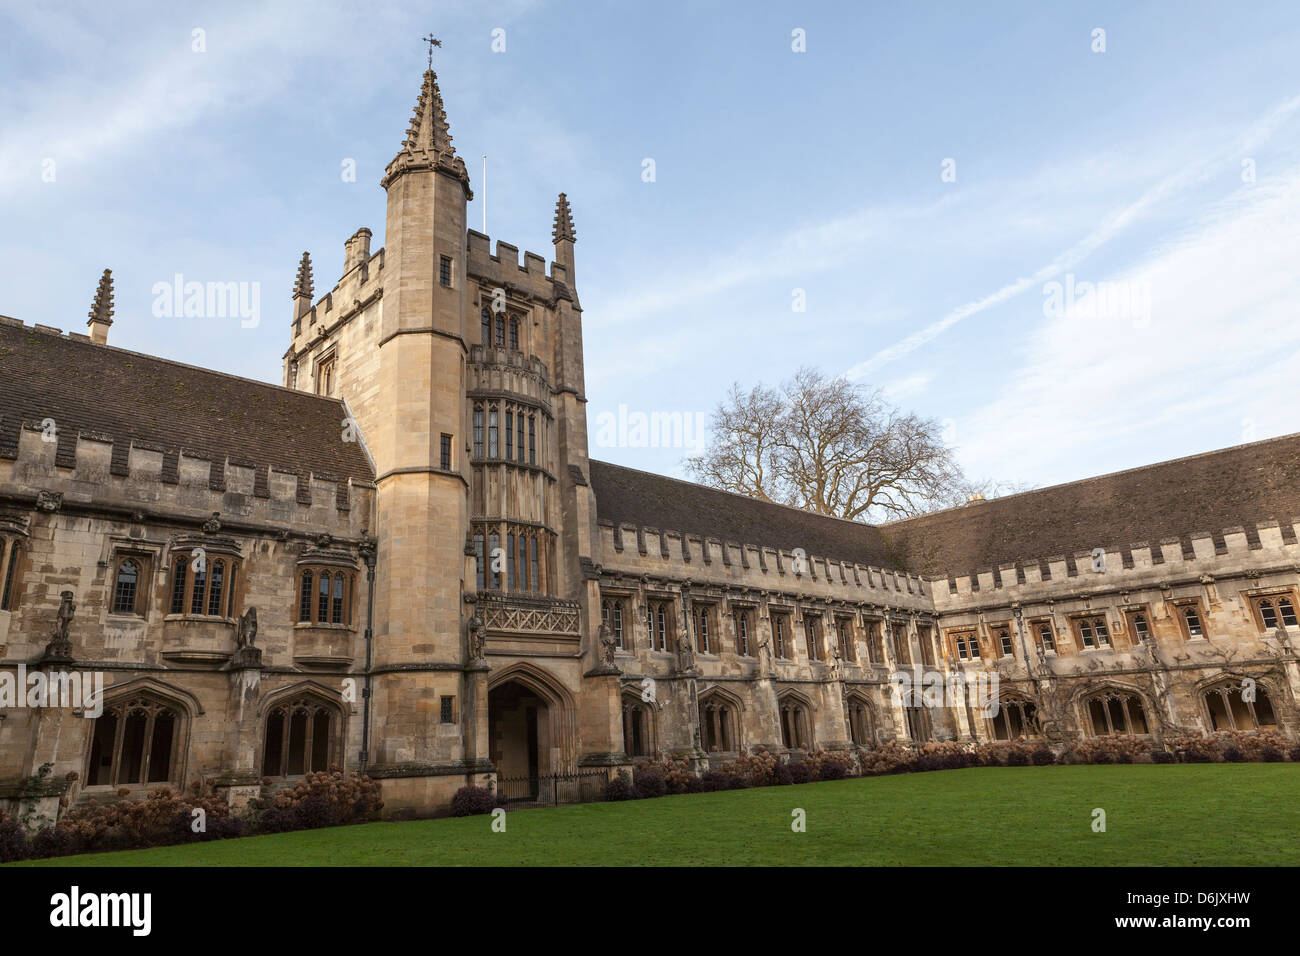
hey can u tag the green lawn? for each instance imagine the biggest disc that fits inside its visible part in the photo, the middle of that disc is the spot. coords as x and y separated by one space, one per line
1180 815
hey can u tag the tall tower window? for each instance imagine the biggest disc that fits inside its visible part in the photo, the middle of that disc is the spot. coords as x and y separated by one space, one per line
444 271
485 323
501 331
325 377
478 432
510 435
533 565
532 439
492 433
445 452
514 334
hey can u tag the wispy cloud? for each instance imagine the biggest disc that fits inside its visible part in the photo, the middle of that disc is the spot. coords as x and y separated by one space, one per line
1115 223
1217 363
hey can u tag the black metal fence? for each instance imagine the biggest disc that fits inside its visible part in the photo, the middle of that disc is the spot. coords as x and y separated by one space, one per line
549 790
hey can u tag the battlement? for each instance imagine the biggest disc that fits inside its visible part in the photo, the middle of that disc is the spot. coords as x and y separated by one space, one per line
361 284
504 269
631 549
95 470
1229 551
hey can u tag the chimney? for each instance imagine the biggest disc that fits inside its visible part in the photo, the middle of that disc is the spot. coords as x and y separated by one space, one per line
356 251
101 310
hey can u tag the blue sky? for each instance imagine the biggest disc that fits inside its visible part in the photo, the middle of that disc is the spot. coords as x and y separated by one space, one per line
1167 166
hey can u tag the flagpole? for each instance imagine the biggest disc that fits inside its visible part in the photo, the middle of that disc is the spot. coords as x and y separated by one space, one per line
485 194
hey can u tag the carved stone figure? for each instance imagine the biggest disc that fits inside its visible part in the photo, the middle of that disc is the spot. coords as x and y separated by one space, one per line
246 632
64 620
685 653
477 638
607 647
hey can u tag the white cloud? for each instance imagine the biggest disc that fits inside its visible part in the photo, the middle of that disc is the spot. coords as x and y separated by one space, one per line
1111 226
1221 350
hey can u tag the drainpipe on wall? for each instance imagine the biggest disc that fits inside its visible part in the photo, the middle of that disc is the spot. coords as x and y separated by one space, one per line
368 555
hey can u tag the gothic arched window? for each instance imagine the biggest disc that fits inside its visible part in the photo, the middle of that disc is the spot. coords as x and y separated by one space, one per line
861 726
719 725
796 724
1238 705
299 737
1114 711
638 727
1016 718
134 741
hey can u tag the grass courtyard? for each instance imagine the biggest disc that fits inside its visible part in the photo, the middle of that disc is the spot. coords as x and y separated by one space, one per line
1178 815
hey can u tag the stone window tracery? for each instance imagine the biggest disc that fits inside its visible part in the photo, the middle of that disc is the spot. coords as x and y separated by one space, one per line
299 737
719 725
1275 610
134 741
1116 711
1093 632
638 727
1234 705
1017 717
861 726
796 724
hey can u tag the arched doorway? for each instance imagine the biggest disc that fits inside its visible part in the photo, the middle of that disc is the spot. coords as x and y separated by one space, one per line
518 731
531 732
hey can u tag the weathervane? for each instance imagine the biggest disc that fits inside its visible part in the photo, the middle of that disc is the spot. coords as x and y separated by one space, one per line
433 42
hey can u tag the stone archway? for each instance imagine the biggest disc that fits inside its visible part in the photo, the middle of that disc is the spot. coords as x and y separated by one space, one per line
531 725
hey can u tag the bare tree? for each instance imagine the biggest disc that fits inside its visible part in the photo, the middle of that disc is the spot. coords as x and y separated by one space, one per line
827 446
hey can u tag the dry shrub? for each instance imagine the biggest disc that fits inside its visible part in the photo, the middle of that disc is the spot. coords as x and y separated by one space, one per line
676 772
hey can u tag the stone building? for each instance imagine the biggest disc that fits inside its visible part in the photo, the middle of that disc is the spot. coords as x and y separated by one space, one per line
402 560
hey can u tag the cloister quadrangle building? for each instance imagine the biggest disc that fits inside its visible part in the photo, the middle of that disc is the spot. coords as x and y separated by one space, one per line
401 559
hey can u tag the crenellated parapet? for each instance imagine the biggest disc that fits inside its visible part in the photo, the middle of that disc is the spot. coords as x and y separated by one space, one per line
1175 561
527 280
678 554
95 472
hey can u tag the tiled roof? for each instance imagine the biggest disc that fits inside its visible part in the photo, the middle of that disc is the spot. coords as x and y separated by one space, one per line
1202 494
125 396
1234 487
626 496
